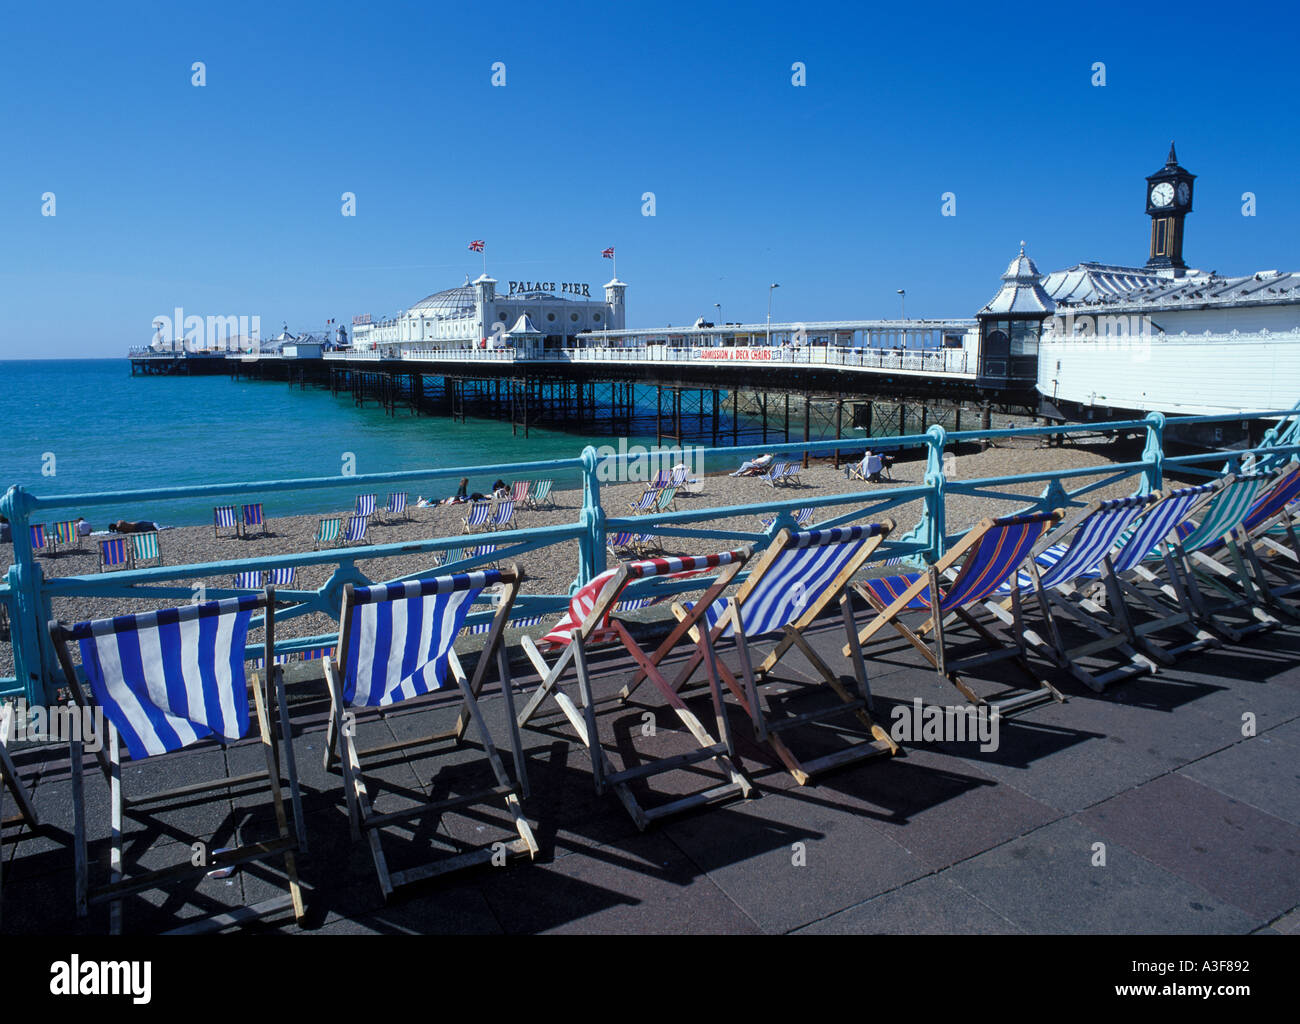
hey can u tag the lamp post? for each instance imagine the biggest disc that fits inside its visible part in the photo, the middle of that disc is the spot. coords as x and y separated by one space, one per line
717 322
902 309
770 289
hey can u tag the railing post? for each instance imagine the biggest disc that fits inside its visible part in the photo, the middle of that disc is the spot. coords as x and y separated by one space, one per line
935 511
25 579
1154 453
591 546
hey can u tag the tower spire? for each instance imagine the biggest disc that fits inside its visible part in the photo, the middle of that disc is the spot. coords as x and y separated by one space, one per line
1173 157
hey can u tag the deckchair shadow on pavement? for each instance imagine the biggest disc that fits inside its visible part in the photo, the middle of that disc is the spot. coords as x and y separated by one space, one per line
798 578
988 555
395 644
165 680
589 622
10 781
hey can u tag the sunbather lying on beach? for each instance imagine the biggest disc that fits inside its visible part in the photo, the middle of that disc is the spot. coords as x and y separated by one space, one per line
126 526
754 467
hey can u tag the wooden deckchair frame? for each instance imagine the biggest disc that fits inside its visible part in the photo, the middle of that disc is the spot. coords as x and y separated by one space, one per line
934 626
748 695
109 758
721 751
365 822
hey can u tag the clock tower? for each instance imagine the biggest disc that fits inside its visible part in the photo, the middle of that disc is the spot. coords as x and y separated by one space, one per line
1169 200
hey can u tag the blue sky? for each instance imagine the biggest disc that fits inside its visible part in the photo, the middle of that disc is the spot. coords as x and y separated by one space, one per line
225 199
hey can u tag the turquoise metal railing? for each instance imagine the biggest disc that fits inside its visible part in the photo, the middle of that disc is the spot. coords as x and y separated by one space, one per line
27 593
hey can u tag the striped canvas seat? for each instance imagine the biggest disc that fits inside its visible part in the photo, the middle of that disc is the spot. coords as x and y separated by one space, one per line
660 481
540 494
396 505
802 518
666 500
677 478
505 512
224 516
1272 504
519 492
65 533
365 505
395 644
169 678
479 514
645 502
282 577
40 539
796 579
114 553
252 516
774 475
249 579
355 532
256 579
989 554
144 546
402 635
327 531
588 619
164 681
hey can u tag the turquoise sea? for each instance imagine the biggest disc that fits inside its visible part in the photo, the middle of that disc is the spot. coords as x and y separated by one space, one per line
109 431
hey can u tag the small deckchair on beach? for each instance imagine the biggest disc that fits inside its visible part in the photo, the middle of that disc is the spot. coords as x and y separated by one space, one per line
395 644
502 514
588 622
65 533
867 470
660 481
327 532
477 517
256 579
223 516
144 548
621 545
539 496
396 506
797 579
114 553
666 501
519 492
988 555
645 503
251 515
40 539
165 680
791 474
775 474
802 518
355 531
365 505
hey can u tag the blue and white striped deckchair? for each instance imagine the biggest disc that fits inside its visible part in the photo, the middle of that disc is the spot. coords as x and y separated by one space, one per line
365 505
165 680
224 516
645 502
252 516
775 474
1270 521
660 481
588 620
327 532
621 544
249 579
677 478
144 547
396 505
355 531
40 539
478 515
539 495
396 643
791 474
797 579
802 518
114 553
989 554
282 577
504 513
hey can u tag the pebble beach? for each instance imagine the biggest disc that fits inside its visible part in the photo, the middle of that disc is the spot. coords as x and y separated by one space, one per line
550 570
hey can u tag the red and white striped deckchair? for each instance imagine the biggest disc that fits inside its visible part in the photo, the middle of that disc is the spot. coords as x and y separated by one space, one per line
589 620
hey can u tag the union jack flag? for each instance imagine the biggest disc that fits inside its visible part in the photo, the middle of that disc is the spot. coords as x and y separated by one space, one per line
608 253
477 245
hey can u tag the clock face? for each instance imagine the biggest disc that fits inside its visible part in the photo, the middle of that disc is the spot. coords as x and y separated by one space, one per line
1184 193
1162 194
